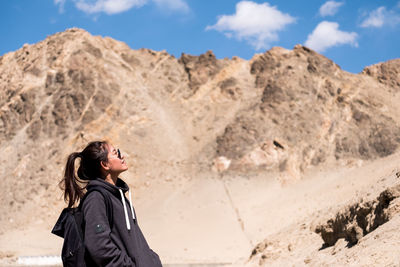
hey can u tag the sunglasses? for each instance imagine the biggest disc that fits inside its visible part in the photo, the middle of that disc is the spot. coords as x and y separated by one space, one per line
119 153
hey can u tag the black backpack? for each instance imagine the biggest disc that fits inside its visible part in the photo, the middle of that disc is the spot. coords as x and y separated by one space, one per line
70 226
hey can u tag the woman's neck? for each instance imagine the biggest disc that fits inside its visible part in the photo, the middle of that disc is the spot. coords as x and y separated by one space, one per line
112 179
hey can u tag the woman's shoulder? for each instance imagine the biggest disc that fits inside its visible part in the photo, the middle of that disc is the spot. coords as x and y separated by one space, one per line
93 198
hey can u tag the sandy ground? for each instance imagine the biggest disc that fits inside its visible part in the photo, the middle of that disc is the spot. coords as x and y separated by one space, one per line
210 219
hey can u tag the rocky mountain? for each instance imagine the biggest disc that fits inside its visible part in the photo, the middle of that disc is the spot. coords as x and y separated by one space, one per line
386 73
283 111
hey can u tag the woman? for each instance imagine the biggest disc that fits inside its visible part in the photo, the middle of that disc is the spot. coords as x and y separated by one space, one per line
116 243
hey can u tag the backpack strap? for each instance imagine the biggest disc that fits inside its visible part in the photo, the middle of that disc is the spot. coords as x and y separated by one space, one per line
107 201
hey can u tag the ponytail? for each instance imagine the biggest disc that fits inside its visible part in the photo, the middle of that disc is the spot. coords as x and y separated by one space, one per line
89 169
72 190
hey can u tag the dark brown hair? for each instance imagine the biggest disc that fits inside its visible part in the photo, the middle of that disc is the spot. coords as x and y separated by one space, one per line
89 169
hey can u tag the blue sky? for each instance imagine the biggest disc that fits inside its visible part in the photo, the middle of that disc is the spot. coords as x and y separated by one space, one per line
353 33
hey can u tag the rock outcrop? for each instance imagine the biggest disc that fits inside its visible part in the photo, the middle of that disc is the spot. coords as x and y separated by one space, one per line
356 227
359 219
316 112
387 73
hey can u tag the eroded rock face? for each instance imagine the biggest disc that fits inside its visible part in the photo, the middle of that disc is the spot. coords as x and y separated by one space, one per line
200 69
387 73
346 230
321 113
359 219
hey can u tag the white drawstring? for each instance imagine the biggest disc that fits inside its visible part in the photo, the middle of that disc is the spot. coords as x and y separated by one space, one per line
130 201
128 225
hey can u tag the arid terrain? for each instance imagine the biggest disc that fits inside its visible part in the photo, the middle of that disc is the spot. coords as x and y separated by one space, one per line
280 160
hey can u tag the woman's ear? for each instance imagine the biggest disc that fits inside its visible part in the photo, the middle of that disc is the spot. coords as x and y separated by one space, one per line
104 165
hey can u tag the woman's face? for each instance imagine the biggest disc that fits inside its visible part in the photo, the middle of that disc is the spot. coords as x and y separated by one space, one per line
116 161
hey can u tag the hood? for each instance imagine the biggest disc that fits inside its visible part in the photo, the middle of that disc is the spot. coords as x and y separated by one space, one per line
114 189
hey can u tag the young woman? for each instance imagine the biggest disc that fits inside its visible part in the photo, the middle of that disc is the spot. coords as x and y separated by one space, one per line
116 243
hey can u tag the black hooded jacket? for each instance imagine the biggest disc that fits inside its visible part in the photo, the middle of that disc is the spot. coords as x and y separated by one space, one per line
118 246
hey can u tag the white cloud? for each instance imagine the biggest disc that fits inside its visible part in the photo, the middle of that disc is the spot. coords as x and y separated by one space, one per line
379 17
330 8
60 4
173 5
327 34
375 19
258 24
111 7
107 6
